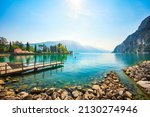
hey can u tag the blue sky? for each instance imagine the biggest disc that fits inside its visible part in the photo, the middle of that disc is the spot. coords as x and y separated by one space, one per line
100 23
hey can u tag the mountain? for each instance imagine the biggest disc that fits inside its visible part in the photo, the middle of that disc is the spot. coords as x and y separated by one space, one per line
74 46
138 42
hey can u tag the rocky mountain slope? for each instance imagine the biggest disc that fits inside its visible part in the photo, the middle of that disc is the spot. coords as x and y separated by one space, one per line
138 42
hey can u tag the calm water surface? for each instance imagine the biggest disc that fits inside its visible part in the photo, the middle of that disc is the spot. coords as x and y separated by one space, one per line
78 69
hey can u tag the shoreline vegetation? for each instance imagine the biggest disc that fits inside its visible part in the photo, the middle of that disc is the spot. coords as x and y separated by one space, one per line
109 89
18 48
140 73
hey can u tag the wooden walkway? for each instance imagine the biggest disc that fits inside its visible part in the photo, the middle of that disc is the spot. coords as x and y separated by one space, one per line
17 68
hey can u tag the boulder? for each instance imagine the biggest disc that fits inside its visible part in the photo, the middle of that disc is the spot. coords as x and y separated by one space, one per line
88 96
96 87
79 98
1 87
2 82
55 95
64 94
29 97
50 91
121 93
36 90
68 98
76 93
90 90
10 93
128 94
11 98
57 98
23 95
44 96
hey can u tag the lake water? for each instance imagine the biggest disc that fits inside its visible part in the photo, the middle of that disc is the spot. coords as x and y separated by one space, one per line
78 69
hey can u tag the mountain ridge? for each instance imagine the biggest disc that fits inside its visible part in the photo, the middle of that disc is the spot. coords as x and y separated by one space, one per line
73 46
138 42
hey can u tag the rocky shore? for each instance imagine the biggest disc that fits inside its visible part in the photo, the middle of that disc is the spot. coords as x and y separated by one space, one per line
141 75
108 89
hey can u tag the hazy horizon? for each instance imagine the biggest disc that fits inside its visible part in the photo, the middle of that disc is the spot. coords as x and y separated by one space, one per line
98 23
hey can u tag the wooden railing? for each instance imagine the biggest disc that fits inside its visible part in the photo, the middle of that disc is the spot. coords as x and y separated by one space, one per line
7 67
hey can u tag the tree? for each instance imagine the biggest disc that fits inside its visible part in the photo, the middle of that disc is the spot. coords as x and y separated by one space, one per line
62 48
3 41
28 46
35 48
41 47
44 48
3 45
10 47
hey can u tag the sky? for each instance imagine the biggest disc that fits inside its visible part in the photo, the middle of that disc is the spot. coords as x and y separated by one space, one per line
99 23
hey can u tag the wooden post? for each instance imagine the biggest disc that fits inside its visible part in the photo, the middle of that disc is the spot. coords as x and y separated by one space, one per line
22 66
34 65
0 70
6 69
43 63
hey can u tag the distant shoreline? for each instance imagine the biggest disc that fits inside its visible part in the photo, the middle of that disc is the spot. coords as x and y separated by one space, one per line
4 55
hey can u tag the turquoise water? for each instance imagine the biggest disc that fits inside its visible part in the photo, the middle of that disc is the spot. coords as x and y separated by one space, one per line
78 69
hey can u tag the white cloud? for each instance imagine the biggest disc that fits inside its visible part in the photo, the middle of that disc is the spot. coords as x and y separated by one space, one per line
77 8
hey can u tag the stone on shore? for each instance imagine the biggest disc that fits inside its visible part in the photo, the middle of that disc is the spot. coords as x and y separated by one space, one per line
145 85
50 91
109 88
2 82
141 75
76 93
36 90
64 94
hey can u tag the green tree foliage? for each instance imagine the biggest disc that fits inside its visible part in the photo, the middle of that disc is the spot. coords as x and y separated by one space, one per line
60 48
28 46
6 46
17 44
10 47
35 48
3 45
41 47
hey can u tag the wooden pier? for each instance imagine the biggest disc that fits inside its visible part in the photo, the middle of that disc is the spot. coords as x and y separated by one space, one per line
20 68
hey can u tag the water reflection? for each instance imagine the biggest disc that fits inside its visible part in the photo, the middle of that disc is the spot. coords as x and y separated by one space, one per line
34 58
131 59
